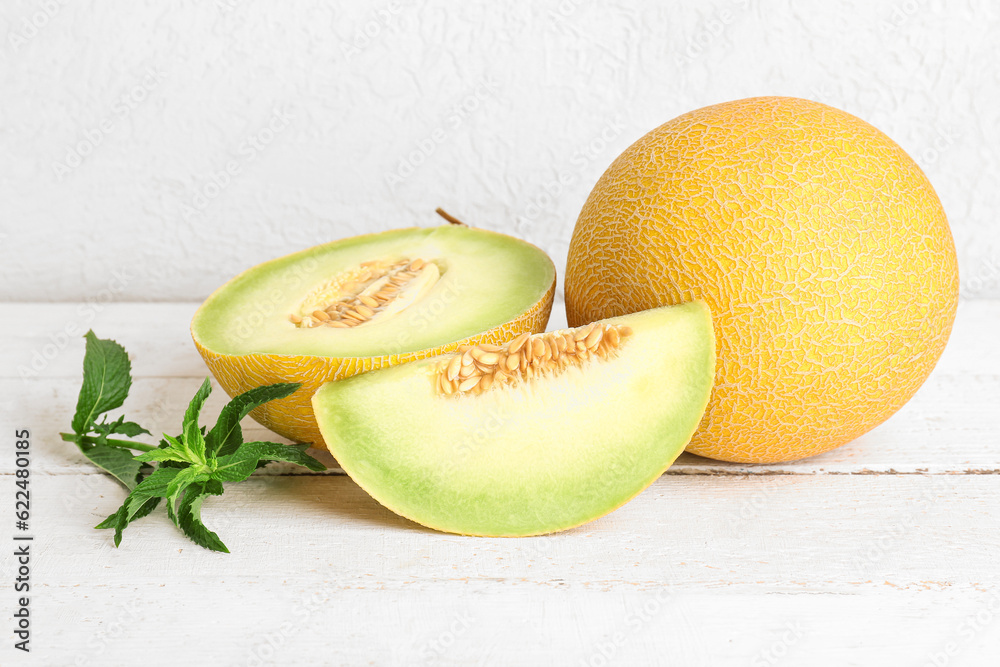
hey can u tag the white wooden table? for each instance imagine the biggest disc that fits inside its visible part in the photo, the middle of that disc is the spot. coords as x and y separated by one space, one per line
884 552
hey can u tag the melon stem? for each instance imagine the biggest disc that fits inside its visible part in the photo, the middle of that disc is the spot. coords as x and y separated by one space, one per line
449 217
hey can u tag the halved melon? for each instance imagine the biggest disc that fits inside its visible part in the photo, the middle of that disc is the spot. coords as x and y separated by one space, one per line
538 435
367 302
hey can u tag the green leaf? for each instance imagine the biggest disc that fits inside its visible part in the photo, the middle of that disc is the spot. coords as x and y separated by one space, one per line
238 466
173 442
272 451
146 508
128 429
227 435
174 450
170 454
117 462
180 482
166 442
107 376
193 438
140 501
131 429
189 515
119 520
235 467
111 521
156 485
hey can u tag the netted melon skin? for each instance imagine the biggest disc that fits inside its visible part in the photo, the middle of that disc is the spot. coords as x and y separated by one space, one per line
820 246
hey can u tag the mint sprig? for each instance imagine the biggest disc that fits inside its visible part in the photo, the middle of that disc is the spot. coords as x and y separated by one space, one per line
190 466
107 378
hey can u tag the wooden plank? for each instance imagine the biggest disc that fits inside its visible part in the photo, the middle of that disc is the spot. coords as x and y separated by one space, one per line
950 426
209 621
699 570
788 533
45 340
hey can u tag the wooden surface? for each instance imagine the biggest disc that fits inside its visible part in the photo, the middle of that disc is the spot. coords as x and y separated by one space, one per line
884 552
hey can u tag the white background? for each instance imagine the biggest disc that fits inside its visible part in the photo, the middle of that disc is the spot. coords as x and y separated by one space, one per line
881 552
118 120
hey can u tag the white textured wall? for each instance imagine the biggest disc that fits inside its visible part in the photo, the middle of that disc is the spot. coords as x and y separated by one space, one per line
503 112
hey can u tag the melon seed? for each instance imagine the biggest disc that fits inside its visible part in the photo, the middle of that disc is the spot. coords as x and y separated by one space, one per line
474 369
358 295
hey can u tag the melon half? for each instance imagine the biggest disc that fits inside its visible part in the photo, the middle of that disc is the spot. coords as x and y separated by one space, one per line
537 435
365 303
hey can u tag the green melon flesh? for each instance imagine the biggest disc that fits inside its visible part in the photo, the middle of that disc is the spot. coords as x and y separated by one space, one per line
487 279
537 457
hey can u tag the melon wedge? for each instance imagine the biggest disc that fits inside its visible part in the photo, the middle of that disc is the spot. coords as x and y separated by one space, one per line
547 445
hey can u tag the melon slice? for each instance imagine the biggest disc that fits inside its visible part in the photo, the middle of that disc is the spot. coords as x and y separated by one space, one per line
367 302
538 435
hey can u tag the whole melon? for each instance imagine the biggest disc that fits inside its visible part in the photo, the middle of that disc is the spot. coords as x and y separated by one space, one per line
819 245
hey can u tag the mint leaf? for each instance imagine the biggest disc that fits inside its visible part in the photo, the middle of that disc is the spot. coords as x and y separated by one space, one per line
161 455
235 467
156 485
227 435
107 376
238 466
140 501
120 426
112 520
117 462
104 429
193 440
189 515
119 520
171 449
180 481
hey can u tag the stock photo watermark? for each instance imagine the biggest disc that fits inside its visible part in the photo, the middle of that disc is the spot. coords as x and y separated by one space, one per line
711 30
777 650
433 649
937 144
31 25
984 276
552 190
266 304
606 650
40 358
369 32
971 627
22 539
875 550
92 137
458 114
900 15
126 617
248 151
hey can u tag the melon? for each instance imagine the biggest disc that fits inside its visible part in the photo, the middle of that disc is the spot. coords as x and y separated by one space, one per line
537 435
367 302
820 246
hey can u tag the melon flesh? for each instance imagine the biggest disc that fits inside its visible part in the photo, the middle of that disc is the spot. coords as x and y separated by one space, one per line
486 279
542 455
